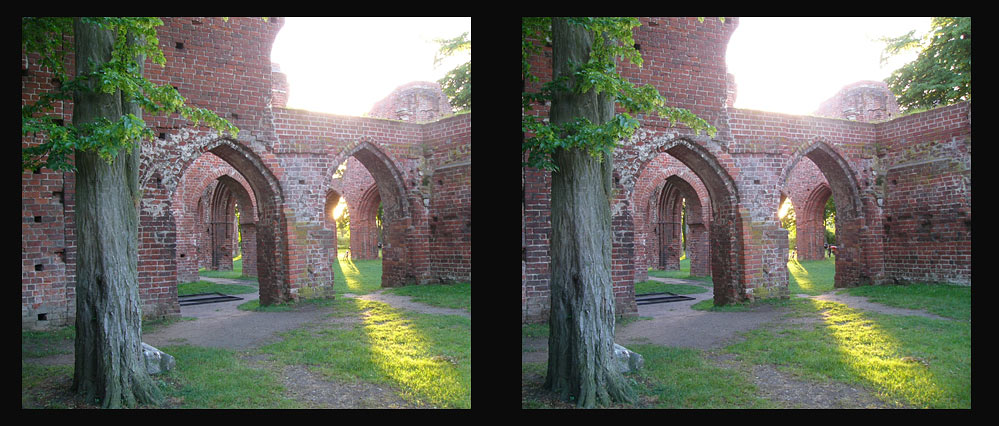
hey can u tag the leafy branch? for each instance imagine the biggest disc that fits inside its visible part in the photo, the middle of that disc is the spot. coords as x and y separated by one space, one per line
613 40
135 38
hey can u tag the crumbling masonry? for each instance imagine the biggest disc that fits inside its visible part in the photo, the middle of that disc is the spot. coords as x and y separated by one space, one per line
902 185
412 156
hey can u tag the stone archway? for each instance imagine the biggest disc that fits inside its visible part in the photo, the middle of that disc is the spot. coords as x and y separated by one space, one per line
401 239
364 235
222 229
273 273
851 269
190 208
678 197
726 235
810 222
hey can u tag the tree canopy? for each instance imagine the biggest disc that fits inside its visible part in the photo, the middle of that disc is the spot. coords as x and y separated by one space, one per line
457 83
941 74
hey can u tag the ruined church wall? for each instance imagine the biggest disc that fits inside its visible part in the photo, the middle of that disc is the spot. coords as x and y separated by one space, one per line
225 67
924 173
751 160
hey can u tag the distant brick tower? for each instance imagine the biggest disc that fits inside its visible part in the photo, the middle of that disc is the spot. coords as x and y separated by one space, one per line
866 101
279 83
419 101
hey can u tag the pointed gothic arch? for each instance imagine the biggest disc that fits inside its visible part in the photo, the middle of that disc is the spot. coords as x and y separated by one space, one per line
725 238
273 270
401 246
851 265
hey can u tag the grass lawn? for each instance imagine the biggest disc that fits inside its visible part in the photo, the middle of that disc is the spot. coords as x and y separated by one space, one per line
903 361
425 358
428 357
357 276
682 273
236 273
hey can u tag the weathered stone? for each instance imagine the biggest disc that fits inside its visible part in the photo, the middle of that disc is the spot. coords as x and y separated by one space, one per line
626 361
157 361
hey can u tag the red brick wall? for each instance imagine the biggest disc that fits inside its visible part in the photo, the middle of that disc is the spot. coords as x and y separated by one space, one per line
418 102
867 101
925 175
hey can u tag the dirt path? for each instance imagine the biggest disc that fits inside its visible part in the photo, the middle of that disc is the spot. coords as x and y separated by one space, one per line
858 302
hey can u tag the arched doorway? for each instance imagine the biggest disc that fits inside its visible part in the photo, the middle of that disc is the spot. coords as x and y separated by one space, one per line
725 236
400 237
192 209
851 265
679 228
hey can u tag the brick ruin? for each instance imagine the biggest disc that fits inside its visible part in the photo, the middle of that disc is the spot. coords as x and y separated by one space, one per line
902 185
412 156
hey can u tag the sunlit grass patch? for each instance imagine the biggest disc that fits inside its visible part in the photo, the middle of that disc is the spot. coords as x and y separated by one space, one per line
357 276
906 361
401 347
427 357
811 277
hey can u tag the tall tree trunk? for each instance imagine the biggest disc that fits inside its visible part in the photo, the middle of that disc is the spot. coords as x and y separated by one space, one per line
109 365
581 337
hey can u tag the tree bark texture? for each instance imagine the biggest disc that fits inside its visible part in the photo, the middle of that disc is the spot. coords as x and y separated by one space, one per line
581 336
109 367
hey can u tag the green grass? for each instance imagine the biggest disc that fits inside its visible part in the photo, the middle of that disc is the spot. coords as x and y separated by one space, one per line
950 301
37 382
428 357
454 296
357 276
198 287
236 273
653 286
218 378
682 378
907 361
37 344
683 273
811 277
203 378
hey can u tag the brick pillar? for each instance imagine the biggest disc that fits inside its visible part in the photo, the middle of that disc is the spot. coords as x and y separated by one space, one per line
248 231
698 250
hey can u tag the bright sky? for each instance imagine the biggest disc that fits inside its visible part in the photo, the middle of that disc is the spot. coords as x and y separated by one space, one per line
791 65
345 65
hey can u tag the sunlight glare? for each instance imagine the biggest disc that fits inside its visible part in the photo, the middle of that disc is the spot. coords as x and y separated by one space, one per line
339 209
784 208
